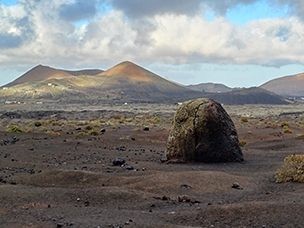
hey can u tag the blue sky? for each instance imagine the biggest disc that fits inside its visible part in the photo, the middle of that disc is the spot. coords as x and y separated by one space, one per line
240 43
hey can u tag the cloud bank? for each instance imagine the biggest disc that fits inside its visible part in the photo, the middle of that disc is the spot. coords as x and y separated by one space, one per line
172 32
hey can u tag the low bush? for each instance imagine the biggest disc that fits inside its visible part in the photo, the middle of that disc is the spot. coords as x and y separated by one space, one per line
242 142
37 123
93 132
288 131
292 169
88 127
284 124
244 119
14 128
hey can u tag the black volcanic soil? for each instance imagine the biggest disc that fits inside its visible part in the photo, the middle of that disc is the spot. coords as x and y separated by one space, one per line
69 180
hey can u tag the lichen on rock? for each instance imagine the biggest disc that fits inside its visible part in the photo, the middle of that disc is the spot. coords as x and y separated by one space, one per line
202 131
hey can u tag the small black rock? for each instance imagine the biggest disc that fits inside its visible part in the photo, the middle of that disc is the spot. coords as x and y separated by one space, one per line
118 162
129 167
146 129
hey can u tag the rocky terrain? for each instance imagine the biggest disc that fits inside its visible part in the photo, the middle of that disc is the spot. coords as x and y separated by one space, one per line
106 167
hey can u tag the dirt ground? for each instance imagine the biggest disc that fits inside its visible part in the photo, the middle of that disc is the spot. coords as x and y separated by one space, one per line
53 176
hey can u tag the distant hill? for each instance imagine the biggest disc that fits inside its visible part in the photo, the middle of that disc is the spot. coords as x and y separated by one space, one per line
292 85
210 88
39 73
125 82
252 95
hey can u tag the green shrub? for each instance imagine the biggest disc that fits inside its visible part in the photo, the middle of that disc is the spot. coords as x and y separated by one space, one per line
244 119
81 133
14 128
93 132
288 131
88 127
284 124
54 122
37 123
242 142
292 169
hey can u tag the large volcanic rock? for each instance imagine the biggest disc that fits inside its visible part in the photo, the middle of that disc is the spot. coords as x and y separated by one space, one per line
202 131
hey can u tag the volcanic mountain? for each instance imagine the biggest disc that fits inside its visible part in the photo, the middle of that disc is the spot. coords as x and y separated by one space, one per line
125 82
253 95
42 73
292 85
210 88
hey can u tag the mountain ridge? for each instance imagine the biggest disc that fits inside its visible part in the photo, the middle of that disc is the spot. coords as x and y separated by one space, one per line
122 83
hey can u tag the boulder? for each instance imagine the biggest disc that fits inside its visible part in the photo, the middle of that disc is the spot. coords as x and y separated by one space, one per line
202 131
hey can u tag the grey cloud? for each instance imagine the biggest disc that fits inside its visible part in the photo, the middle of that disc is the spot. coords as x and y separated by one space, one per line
296 7
140 8
10 41
221 6
81 9
143 29
283 33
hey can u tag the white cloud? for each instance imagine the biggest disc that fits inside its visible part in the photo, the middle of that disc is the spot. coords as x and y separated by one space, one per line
39 32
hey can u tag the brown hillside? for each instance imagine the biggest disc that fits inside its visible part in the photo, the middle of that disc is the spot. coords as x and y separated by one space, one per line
84 72
286 86
251 95
129 70
39 73
210 88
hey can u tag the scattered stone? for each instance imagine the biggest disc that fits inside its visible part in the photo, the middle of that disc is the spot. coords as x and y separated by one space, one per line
8 142
13 182
133 139
236 186
163 160
165 198
118 162
86 203
184 198
129 167
186 186
122 148
146 129
143 169
103 130
202 131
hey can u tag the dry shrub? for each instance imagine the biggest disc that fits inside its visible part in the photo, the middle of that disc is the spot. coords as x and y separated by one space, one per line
88 127
14 128
81 133
54 122
102 121
116 117
284 124
292 169
242 142
53 133
93 132
244 119
288 131
300 136
38 123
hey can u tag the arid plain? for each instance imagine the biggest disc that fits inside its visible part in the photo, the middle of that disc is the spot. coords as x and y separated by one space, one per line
59 172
